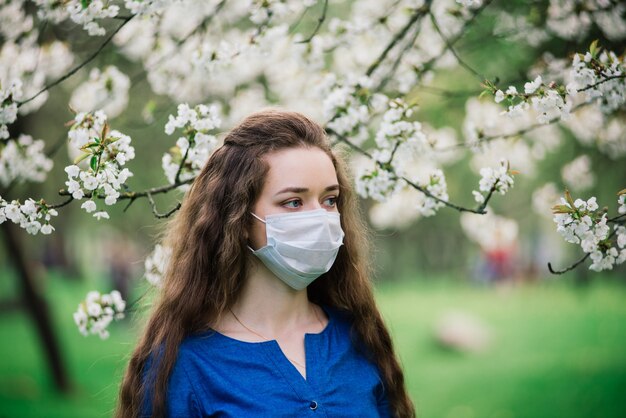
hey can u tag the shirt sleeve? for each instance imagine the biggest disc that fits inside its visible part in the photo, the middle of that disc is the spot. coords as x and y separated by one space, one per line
181 400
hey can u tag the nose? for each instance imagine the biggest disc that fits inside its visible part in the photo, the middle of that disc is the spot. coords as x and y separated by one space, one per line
312 206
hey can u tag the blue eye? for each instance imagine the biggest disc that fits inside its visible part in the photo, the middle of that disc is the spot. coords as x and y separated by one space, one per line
331 201
292 204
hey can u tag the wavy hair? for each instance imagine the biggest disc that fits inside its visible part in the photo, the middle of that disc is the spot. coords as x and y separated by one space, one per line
210 261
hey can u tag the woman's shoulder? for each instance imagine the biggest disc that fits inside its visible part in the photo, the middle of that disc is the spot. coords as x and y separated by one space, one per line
201 342
341 318
337 313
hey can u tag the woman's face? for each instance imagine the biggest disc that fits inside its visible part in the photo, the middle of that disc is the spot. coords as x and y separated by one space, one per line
299 179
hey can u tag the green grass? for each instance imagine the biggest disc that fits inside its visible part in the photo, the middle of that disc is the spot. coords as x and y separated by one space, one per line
95 366
557 351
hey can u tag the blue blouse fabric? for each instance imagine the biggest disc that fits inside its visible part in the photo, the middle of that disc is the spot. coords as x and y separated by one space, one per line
219 376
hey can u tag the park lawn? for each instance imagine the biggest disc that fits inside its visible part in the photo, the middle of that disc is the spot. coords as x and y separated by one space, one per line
557 351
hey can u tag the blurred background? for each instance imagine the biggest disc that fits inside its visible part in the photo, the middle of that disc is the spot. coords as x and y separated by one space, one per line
483 330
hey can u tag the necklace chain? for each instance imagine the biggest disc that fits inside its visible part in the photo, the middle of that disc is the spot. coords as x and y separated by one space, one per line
267 339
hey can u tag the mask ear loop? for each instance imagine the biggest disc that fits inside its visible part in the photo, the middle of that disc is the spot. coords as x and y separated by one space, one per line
252 213
249 247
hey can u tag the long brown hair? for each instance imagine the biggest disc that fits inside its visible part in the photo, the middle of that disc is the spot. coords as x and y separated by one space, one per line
209 260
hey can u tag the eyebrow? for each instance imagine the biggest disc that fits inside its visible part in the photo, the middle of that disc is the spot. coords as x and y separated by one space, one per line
304 189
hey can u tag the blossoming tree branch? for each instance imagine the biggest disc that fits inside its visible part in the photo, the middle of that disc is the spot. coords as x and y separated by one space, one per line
361 67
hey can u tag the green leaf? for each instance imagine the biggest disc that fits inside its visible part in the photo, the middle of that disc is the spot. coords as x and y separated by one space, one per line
569 199
105 131
80 158
94 163
593 48
561 209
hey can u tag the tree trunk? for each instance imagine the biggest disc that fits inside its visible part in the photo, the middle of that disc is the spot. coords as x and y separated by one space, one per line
36 306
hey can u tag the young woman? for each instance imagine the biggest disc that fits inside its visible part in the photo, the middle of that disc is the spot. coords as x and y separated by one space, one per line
266 308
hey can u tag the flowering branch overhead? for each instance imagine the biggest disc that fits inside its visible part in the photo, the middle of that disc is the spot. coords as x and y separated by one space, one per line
74 70
360 69
320 21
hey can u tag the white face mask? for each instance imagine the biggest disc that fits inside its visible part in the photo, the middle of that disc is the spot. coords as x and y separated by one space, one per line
301 246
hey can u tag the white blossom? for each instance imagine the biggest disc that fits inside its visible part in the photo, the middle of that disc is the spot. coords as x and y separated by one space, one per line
101 215
600 78
107 151
568 20
32 216
88 16
10 92
89 206
532 86
580 222
577 174
470 3
197 144
621 201
140 7
345 105
498 180
97 311
23 160
438 188
106 90
490 231
396 130
376 183
499 96
544 198
156 264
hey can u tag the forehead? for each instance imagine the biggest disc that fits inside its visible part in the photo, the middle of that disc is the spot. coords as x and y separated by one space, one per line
299 167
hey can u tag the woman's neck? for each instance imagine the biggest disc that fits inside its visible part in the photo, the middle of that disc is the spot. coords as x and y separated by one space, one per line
269 306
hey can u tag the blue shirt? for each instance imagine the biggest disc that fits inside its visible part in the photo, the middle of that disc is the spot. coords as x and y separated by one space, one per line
218 376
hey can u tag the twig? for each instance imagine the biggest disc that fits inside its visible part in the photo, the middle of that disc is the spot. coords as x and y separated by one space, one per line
509 135
445 202
572 267
161 215
135 79
451 48
320 21
298 20
609 78
59 205
135 195
576 264
204 22
483 205
617 219
398 60
428 64
350 144
396 177
182 163
130 202
79 66
419 13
